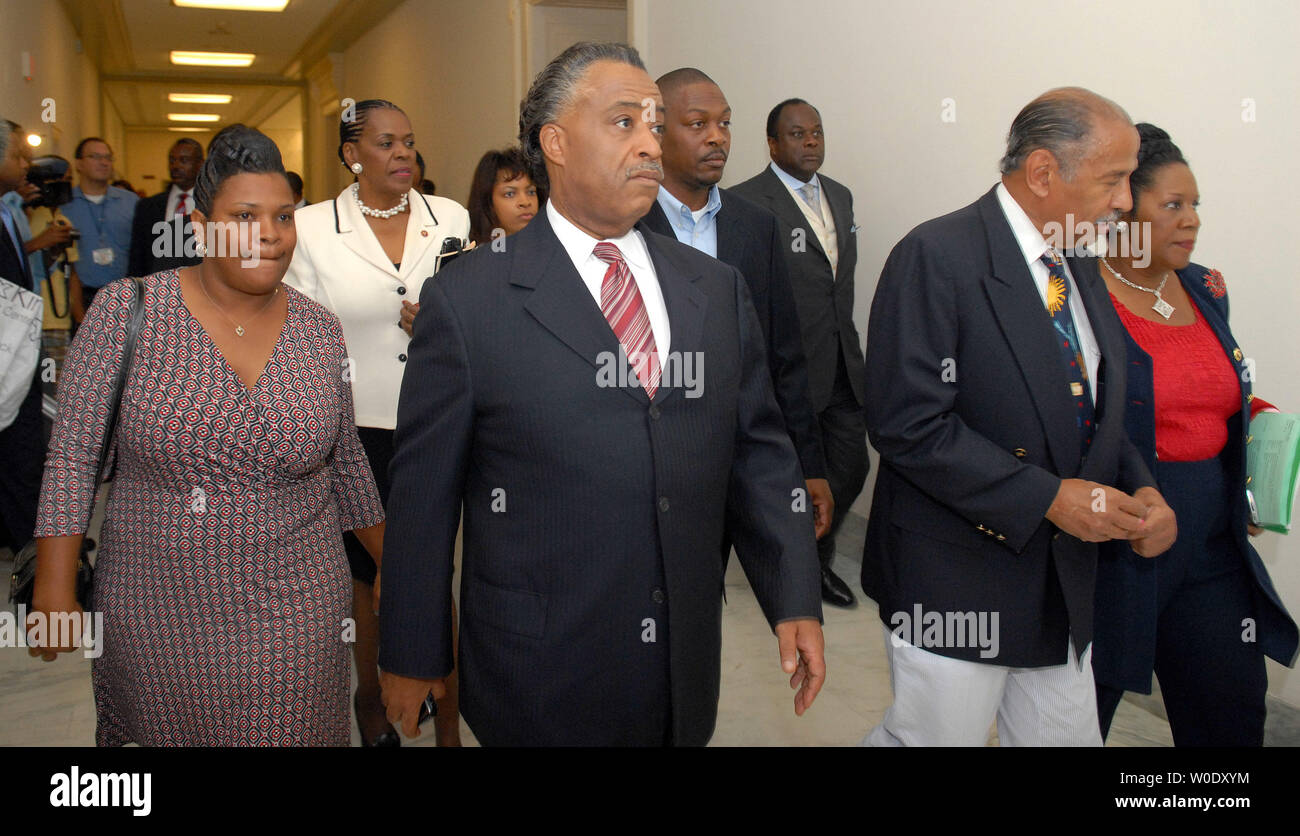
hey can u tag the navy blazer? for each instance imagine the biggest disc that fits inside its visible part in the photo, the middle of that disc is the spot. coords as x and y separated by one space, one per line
749 239
1125 650
968 405
588 508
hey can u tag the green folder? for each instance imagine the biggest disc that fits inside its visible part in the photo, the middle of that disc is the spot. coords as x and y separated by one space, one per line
1272 465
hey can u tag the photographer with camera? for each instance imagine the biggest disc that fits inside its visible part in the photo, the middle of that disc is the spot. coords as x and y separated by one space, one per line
54 238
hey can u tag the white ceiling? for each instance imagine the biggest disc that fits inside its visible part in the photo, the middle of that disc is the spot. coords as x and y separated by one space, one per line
129 40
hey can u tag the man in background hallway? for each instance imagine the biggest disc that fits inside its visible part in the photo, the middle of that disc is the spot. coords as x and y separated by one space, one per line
173 207
102 215
820 244
691 207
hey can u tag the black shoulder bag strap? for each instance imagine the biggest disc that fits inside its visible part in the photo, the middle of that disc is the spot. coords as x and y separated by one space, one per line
119 382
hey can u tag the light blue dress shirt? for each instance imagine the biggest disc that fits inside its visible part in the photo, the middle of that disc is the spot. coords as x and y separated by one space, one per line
103 225
700 233
14 203
794 183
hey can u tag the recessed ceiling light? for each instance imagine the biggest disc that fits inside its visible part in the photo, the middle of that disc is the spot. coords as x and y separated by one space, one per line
212 59
235 5
193 117
199 98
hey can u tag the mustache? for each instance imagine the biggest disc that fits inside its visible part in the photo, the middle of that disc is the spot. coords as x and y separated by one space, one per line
719 154
651 166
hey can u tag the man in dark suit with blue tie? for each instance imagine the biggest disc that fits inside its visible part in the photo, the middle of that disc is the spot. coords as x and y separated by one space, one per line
595 399
691 208
995 397
820 244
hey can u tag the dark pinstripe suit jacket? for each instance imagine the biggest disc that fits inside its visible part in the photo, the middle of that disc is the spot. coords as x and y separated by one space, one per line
587 509
749 239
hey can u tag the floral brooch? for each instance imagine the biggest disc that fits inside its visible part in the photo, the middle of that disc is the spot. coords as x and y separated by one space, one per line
1214 281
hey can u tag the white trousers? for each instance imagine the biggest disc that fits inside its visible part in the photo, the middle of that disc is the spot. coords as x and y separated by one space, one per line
940 701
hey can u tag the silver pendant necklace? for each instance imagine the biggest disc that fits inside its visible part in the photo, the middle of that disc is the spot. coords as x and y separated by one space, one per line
378 213
1161 306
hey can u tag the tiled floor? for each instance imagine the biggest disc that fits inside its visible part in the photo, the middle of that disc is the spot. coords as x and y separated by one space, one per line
50 704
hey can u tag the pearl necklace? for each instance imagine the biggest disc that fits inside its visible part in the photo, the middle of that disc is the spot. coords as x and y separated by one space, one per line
1161 306
377 213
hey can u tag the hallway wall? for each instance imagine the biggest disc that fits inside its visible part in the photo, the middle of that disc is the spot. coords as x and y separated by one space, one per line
61 72
1223 81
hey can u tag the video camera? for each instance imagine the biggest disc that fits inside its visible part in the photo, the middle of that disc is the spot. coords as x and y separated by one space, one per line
50 175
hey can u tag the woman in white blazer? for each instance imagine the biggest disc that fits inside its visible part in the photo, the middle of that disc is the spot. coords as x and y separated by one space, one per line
365 256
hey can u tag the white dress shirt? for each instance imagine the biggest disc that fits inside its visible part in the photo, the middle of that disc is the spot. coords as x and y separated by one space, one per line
174 198
1033 245
579 245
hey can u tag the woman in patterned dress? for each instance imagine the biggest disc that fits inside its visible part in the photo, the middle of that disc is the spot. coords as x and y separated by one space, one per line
220 573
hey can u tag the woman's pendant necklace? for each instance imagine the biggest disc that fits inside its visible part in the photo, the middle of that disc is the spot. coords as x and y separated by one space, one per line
239 329
1161 306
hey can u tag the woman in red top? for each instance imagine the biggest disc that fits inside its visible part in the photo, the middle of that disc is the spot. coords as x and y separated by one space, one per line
1204 614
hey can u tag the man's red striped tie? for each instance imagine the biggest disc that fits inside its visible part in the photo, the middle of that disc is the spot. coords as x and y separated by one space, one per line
620 301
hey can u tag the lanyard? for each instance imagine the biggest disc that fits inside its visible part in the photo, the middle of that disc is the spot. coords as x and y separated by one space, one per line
98 221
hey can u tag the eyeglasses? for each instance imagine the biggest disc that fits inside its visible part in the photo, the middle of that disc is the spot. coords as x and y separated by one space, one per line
99 158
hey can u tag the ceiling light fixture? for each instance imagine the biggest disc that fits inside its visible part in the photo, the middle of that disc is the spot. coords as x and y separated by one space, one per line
34 140
199 98
211 59
190 130
193 117
234 5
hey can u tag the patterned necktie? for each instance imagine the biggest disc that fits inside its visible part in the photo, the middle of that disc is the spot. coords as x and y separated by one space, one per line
181 208
620 302
1058 307
809 192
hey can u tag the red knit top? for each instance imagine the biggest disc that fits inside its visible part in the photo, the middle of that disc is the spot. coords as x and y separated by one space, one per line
1196 385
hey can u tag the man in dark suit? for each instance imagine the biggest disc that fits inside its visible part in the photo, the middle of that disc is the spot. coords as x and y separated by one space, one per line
820 244
995 396
594 467
162 236
691 208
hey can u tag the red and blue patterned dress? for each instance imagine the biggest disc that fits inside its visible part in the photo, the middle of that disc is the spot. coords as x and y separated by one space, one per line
220 571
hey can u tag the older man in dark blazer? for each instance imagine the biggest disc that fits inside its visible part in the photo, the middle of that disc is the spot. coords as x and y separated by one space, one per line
995 396
556 395
691 208
820 245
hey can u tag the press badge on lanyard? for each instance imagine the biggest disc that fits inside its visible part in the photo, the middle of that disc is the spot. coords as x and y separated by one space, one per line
102 256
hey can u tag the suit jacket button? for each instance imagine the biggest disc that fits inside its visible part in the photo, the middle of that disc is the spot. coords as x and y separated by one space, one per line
401 358
657 596
663 503
401 291
654 412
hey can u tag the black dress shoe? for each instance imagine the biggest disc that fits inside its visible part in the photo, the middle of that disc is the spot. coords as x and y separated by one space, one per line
836 592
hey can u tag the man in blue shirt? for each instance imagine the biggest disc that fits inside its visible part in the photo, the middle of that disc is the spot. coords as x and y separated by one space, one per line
691 207
102 214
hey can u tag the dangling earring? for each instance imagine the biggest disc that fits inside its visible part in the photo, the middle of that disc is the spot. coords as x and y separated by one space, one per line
356 168
201 249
